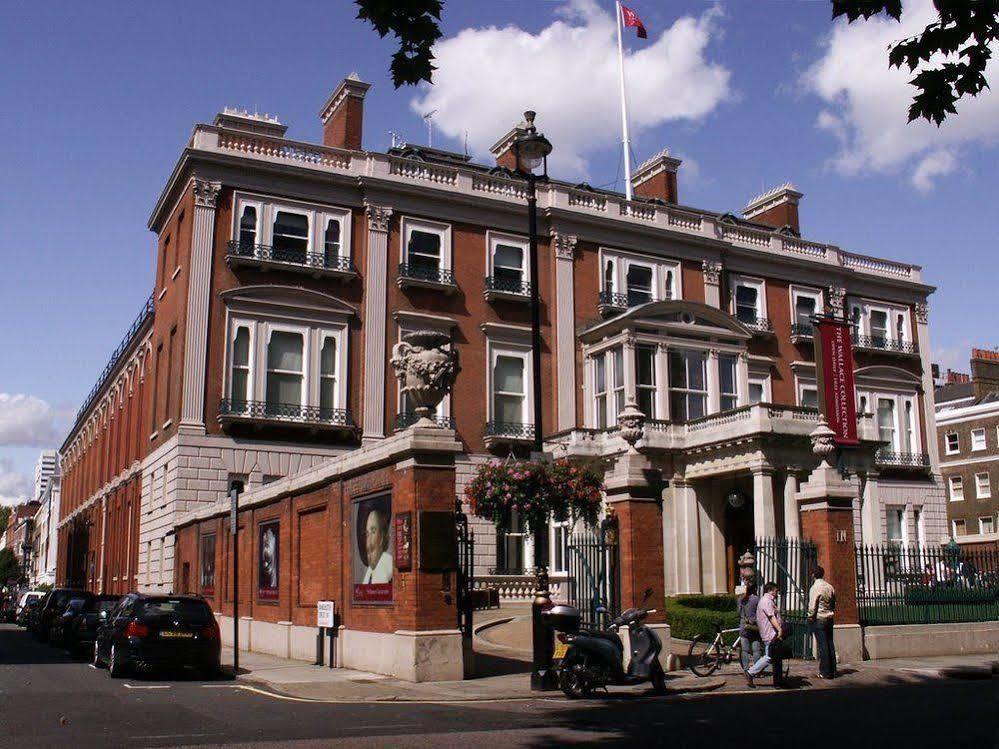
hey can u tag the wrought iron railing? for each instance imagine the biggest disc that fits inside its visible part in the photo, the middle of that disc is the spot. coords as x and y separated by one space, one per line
760 324
883 343
789 562
510 430
145 314
803 329
269 254
899 584
893 459
508 286
408 418
593 571
618 300
417 272
285 412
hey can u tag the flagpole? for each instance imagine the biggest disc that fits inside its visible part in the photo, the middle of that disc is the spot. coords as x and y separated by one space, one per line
625 140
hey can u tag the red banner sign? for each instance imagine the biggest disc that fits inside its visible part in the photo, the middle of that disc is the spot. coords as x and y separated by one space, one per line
834 367
373 593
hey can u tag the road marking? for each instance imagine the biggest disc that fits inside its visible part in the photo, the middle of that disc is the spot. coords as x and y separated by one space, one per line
147 686
174 735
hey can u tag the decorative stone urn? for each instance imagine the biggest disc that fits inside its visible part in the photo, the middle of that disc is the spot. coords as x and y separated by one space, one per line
631 424
823 443
426 366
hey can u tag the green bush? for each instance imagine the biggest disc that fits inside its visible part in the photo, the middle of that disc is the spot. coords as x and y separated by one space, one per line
693 615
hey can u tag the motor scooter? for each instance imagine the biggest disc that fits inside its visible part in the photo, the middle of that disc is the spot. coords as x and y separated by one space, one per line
593 659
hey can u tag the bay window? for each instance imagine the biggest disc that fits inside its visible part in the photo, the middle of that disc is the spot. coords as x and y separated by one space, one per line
617 356
688 391
645 380
887 431
600 391
728 382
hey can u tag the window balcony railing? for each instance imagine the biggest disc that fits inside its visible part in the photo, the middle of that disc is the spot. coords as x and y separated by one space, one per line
264 256
231 410
426 276
757 324
802 330
508 431
893 459
407 419
613 301
883 343
507 288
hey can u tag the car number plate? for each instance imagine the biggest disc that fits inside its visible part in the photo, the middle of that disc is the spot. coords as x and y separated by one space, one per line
177 635
560 650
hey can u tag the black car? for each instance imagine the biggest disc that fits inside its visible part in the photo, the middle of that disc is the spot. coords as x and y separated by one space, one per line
64 621
79 633
151 632
54 604
30 613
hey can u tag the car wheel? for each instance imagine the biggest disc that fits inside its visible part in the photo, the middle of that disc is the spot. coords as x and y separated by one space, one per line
115 665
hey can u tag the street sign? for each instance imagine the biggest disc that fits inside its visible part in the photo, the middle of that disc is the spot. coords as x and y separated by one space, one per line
326 614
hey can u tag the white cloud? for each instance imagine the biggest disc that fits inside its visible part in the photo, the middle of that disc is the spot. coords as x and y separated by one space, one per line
568 72
15 488
867 104
28 421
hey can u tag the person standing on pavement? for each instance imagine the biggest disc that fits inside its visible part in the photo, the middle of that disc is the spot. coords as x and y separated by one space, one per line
821 610
751 646
771 632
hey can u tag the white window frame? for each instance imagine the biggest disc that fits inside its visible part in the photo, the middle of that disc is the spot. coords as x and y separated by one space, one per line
666 277
957 443
553 525
235 324
494 238
892 311
809 293
983 490
324 217
906 439
758 284
654 387
241 204
316 213
762 378
688 391
903 518
801 384
595 361
735 379
955 488
954 525
496 349
896 435
443 230
323 336
269 329
310 218
980 431
981 524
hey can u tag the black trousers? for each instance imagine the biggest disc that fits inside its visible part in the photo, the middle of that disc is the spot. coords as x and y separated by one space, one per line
823 631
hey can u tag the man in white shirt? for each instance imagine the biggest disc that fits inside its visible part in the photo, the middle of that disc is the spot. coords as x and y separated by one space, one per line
821 608
376 544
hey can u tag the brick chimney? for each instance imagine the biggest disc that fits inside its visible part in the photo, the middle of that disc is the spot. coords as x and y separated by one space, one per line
656 177
956 378
777 208
503 148
984 371
343 114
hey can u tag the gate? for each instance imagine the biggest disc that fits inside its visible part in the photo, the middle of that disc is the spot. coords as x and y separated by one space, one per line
592 564
465 578
789 563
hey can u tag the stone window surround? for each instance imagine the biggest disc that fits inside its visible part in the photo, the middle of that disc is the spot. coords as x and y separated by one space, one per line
510 347
660 268
981 524
755 282
443 230
959 523
983 444
867 305
494 238
317 214
629 340
900 397
799 290
955 488
983 489
947 443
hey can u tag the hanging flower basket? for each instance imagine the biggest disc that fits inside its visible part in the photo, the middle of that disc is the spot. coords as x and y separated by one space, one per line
536 491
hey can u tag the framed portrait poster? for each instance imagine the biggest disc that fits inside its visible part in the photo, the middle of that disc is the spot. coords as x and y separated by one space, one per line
208 565
373 564
268 560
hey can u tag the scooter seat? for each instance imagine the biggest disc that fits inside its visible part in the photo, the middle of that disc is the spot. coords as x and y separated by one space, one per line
610 637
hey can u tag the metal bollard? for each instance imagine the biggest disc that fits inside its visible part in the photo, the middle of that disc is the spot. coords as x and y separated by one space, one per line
542 636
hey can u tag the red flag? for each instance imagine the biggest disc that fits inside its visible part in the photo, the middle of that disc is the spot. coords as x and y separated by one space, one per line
631 19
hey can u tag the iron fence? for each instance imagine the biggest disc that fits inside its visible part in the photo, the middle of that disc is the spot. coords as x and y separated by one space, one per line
592 557
789 562
926 585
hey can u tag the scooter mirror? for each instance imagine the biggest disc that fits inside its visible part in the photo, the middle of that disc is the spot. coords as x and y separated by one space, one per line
648 595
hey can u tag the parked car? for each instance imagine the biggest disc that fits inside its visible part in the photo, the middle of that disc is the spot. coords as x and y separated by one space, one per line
79 635
29 616
64 621
54 604
151 632
24 599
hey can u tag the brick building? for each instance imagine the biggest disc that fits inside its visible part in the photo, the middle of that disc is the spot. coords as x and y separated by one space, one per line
286 270
968 435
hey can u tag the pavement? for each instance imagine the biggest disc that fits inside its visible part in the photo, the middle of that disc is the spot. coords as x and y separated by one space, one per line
50 700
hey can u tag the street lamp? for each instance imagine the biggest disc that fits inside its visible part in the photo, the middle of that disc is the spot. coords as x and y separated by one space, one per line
531 150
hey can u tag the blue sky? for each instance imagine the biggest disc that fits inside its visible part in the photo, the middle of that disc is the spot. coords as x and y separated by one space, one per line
98 99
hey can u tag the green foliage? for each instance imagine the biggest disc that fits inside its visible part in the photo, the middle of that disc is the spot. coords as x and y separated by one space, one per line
4 517
958 42
416 24
43 587
693 615
10 569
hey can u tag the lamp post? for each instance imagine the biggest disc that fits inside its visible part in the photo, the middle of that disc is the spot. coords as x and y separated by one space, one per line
531 150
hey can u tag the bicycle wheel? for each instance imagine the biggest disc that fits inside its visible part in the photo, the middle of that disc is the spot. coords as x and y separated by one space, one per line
704 656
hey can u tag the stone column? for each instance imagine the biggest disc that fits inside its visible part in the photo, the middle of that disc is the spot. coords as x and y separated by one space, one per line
712 282
565 328
713 383
375 313
922 313
662 381
826 504
712 539
870 509
192 410
792 521
686 537
764 512
742 373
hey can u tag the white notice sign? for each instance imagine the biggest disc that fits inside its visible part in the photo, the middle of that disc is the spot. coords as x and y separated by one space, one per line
325 613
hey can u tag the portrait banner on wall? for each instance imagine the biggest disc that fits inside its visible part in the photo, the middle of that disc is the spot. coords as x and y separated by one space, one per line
268 560
373 565
208 565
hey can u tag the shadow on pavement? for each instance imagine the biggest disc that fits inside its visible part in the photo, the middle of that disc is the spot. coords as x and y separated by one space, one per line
18 648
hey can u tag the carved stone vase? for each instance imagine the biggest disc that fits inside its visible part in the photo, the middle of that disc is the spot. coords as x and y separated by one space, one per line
426 366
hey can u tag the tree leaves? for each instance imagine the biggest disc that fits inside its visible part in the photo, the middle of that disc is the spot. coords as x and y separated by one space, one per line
416 24
951 54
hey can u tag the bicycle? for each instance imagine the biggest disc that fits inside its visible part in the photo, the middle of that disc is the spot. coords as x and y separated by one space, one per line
706 655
